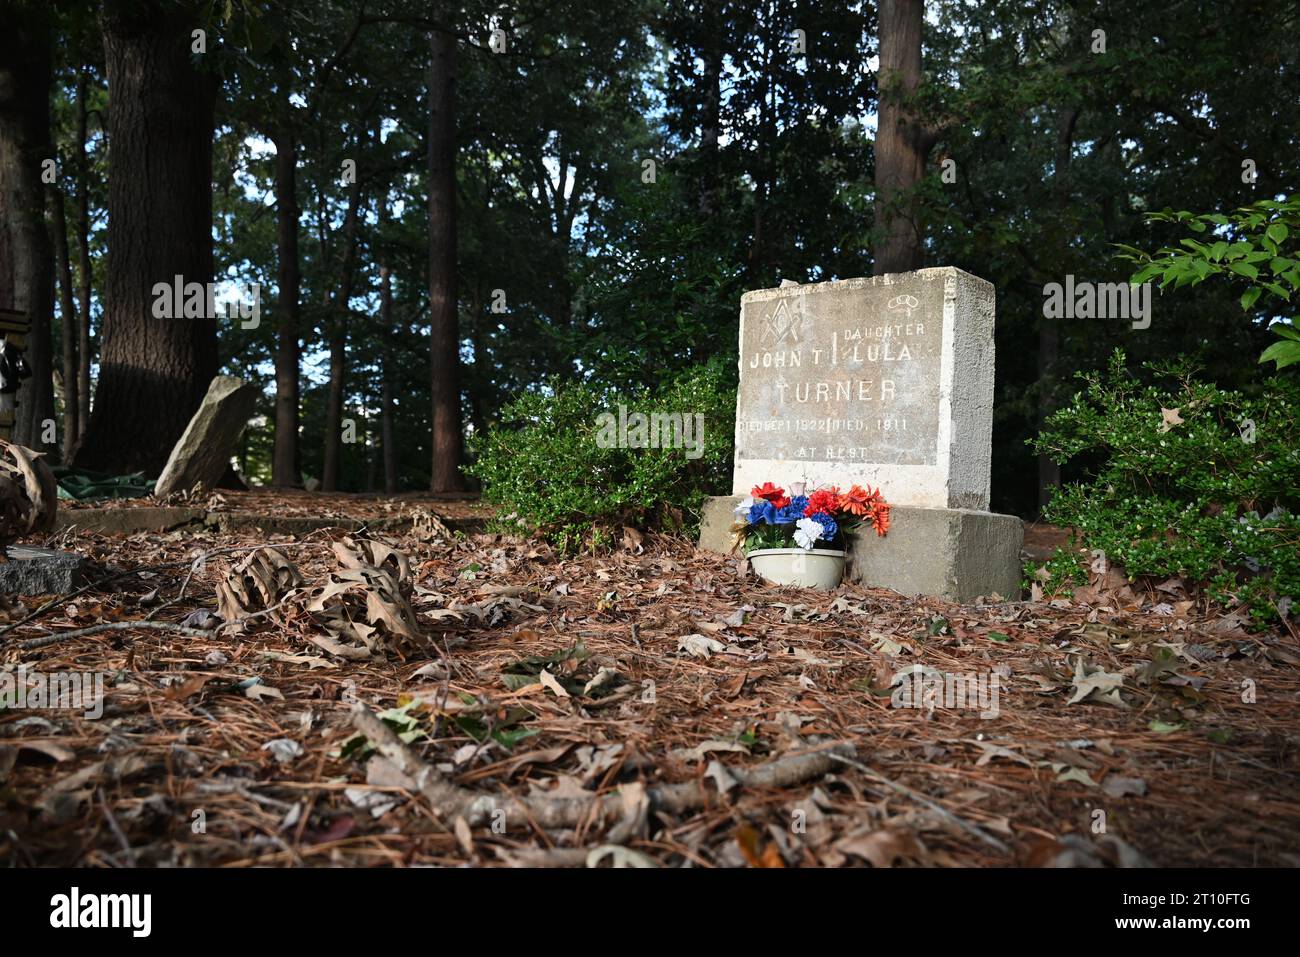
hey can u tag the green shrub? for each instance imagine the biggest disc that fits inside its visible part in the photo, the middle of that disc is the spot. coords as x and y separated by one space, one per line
546 468
1184 479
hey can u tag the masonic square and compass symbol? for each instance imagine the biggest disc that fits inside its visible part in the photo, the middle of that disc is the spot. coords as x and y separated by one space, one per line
781 325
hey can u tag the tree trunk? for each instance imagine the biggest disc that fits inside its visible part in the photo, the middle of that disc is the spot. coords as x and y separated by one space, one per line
763 161
444 335
284 465
1049 331
339 345
709 125
153 372
902 142
386 380
26 258
83 262
68 326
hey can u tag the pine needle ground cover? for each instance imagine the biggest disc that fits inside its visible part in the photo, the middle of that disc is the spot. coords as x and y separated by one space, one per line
652 705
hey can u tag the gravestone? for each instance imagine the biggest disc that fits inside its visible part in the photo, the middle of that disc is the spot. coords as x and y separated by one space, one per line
884 382
203 452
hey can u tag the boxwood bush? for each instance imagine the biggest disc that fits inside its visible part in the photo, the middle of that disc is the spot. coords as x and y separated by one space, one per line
549 467
1183 478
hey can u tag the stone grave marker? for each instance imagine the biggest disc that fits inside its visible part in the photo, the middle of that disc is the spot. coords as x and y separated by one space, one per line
884 382
203 452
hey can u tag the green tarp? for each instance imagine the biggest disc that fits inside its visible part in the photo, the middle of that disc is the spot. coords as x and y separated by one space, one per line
84 485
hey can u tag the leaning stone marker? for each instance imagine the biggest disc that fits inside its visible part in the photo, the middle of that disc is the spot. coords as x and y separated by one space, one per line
886 382
204 451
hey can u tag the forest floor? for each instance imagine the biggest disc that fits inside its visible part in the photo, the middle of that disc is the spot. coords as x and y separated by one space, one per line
725 721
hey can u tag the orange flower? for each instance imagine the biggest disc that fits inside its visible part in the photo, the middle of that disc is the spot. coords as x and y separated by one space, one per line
880 516
857 501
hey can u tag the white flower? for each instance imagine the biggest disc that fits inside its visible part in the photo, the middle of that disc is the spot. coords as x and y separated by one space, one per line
797 489
806 532
742 510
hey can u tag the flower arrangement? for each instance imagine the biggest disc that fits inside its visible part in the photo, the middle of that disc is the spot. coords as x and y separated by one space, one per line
769 518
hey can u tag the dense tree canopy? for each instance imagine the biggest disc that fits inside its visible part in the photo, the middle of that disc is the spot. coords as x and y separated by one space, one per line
442 205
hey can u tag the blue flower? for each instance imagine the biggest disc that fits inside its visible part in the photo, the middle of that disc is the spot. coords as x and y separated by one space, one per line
792 512
762 511
829 526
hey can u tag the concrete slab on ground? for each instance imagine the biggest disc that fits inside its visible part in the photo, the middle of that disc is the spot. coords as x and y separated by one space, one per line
950 553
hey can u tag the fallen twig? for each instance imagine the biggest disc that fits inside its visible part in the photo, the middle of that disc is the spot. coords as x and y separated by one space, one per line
43 641
450 800
943 812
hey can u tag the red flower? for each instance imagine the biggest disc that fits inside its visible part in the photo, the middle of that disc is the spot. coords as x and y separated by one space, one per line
823 500
770 492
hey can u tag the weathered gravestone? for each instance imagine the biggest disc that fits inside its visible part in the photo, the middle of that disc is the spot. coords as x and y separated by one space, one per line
203 452
886 382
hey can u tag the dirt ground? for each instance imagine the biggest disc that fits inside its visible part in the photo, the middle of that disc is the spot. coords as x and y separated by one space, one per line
651 706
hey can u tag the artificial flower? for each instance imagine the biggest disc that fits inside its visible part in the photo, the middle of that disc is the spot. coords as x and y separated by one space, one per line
742 510
880 517
829 526
792 511
760 512
822 500
798 489
768 491
806 532
858 501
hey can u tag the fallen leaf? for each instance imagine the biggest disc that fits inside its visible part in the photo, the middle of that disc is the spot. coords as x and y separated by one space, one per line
701 646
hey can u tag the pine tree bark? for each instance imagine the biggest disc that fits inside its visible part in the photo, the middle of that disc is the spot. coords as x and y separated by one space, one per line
153 372
84 278
1049 330
68 321
284 463
339 345
902 141
387 405
26 257
710 123
444 334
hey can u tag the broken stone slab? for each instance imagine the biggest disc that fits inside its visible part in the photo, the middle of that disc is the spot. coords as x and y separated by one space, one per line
128 520
955 554
203 452
40 571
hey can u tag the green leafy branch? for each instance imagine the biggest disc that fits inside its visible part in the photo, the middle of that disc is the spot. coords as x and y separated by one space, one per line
1254 246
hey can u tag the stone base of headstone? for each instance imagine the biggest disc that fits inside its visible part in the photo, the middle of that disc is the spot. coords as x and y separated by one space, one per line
40 571
950 553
